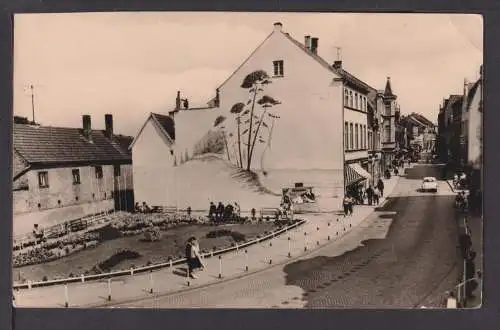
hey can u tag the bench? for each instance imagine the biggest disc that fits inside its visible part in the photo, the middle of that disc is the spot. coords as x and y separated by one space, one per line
271 212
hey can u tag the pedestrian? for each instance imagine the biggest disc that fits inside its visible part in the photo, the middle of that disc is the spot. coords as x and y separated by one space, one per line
237 210
380 186
228 212
369 195
253 211
194 261
220 211
212 211
376 196
345 204
351 205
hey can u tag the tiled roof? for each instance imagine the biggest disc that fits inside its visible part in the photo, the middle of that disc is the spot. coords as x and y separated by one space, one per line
167 123
59 145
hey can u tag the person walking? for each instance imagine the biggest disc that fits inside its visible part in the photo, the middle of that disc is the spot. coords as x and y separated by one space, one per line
345 204
194 261
369 195
351 205
376 196
380 186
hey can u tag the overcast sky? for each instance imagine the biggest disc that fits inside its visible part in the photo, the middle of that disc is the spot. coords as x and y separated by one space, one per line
130 64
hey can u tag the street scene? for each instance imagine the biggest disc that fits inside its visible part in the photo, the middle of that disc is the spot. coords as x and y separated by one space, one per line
287 173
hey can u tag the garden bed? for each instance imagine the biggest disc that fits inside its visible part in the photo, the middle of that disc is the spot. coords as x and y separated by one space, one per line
171 245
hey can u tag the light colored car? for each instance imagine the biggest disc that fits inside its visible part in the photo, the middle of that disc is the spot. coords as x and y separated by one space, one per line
430 184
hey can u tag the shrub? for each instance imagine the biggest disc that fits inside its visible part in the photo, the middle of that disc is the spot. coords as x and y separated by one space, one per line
44 279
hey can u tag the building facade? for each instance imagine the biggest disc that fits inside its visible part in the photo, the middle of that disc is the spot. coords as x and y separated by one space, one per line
61 174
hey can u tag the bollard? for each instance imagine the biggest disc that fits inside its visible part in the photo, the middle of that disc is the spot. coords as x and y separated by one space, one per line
317 242
220 266
151 282
83 278
317 228
328 224
337 219
305 241
29 284
246 260
109 289
270 261
188 275
66 298
212 253
237 248
131 271
170 262
289 252
328 238
270 243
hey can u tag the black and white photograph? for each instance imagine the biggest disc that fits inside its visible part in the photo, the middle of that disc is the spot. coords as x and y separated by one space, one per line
247 160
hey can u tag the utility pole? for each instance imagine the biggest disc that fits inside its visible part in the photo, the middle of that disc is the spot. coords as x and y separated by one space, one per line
32 90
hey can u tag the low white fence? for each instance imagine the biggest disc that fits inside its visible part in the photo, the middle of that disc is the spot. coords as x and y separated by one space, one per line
132 271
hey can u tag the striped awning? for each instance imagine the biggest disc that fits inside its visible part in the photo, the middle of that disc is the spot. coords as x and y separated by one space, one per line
360 170
351 176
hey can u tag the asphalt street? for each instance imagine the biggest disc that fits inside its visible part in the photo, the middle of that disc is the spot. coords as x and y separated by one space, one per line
405 257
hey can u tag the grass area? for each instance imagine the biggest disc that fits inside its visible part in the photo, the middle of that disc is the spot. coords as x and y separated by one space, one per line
171 244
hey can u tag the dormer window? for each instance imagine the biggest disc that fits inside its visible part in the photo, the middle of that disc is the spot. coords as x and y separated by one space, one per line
278 68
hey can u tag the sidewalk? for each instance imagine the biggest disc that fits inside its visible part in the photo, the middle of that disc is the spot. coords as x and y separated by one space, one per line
319 230
475 224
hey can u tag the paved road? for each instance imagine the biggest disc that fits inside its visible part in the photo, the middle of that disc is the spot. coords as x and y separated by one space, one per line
405 255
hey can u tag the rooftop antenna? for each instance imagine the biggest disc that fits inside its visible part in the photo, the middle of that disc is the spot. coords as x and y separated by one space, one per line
31 90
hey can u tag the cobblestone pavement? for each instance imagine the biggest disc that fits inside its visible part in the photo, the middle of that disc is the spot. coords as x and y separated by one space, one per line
405 255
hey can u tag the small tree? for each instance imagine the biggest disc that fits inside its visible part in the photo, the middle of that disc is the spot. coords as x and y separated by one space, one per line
218 123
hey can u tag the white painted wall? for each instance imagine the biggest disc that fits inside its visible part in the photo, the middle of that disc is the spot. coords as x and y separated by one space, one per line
360 118
309 133
153 167
475 130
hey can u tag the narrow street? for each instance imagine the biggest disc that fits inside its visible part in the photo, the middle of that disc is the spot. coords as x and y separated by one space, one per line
413 266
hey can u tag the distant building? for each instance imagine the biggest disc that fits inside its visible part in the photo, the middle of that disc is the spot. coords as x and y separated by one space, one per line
62 174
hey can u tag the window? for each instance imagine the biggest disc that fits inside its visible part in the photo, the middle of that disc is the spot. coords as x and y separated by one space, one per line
362 143
76 176
346 97
369 139
350 99
346 136
278 68
98 172
387 133
366 146
351 137
117 170
387 109
43 179
356 100
356 136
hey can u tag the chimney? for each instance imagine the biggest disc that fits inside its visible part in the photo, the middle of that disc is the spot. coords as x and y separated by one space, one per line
314 45
217 98
178 101
337 65
87 127
278 26
307 42
108 121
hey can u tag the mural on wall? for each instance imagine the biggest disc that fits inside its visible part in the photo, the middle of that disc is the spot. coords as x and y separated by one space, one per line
254 119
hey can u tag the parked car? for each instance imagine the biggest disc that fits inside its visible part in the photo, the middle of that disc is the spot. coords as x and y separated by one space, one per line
429 184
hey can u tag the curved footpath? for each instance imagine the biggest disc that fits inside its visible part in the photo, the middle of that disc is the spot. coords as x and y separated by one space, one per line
319 230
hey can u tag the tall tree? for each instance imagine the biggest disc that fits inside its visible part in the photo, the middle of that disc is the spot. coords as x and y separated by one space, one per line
237 109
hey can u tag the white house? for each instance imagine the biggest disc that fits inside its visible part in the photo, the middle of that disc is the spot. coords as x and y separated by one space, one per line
297 134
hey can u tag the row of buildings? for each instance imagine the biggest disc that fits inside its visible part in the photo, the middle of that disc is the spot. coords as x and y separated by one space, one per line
460 132
323 118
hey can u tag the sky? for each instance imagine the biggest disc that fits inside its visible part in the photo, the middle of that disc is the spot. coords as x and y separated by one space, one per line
131 64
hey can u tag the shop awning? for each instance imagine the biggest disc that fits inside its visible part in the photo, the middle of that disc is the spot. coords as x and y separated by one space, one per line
361 171
355 173
351 176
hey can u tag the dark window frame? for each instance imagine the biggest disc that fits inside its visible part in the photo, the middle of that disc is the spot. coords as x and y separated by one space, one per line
279 68
76 175
98 172
45 175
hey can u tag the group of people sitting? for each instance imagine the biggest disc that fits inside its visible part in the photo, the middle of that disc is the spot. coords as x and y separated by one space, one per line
223 213
144 208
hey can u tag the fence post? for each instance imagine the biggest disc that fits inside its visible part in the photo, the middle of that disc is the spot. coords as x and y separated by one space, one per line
151 283
170 262
289 251
131 271
83 278
29 284
220 266
305 241
66 296
188 275
246 260
109 289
